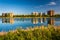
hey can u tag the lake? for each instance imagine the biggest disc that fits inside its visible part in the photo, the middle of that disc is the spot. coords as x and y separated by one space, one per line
7 24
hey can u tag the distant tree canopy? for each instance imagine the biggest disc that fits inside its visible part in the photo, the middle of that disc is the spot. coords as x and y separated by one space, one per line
56 15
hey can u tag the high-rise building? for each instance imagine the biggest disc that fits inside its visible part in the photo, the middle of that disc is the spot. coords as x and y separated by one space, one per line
46 13
40 14
43 14
35 13
50 12
7 14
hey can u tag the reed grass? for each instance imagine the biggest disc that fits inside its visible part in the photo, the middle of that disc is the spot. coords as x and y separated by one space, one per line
36 33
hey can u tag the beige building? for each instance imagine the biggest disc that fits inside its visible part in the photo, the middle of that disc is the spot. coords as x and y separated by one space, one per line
7 14
35 13
50 12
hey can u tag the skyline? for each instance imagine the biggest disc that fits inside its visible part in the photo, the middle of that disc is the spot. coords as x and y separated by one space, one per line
29 6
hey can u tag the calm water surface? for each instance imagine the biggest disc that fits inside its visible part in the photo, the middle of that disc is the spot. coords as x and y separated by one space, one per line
7 24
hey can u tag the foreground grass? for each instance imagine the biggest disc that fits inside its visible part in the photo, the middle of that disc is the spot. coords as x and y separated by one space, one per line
36 33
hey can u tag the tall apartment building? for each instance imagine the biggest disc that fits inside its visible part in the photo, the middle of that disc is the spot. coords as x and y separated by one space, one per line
50 12
35 13
7 14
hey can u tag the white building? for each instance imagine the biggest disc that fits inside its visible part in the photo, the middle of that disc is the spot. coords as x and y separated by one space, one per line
35 13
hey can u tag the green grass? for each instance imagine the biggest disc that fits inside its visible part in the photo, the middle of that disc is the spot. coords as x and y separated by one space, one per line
36 33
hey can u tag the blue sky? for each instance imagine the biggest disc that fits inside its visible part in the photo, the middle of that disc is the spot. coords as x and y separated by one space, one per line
29 6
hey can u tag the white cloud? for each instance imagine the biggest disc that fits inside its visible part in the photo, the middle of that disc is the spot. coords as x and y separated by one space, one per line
52 3
46 5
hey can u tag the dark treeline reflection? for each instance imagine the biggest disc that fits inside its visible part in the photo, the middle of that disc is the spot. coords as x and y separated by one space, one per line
33 20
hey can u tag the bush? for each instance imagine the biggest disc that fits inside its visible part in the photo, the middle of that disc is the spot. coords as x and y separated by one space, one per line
49 33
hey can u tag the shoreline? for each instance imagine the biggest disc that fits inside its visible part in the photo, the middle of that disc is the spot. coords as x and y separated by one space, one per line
29 17
3 33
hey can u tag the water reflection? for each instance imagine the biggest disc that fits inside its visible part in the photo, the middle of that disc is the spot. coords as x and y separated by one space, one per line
42 20
26 22
33 20
51 21
8 20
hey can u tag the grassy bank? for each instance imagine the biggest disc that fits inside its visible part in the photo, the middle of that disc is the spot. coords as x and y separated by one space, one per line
36 33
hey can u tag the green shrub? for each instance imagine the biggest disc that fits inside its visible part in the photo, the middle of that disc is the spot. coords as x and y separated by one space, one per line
49 33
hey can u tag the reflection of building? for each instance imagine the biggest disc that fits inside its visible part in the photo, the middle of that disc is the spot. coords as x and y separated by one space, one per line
51 21
35 13
42 20
50 12
34 20
8 20
37 20
7 14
